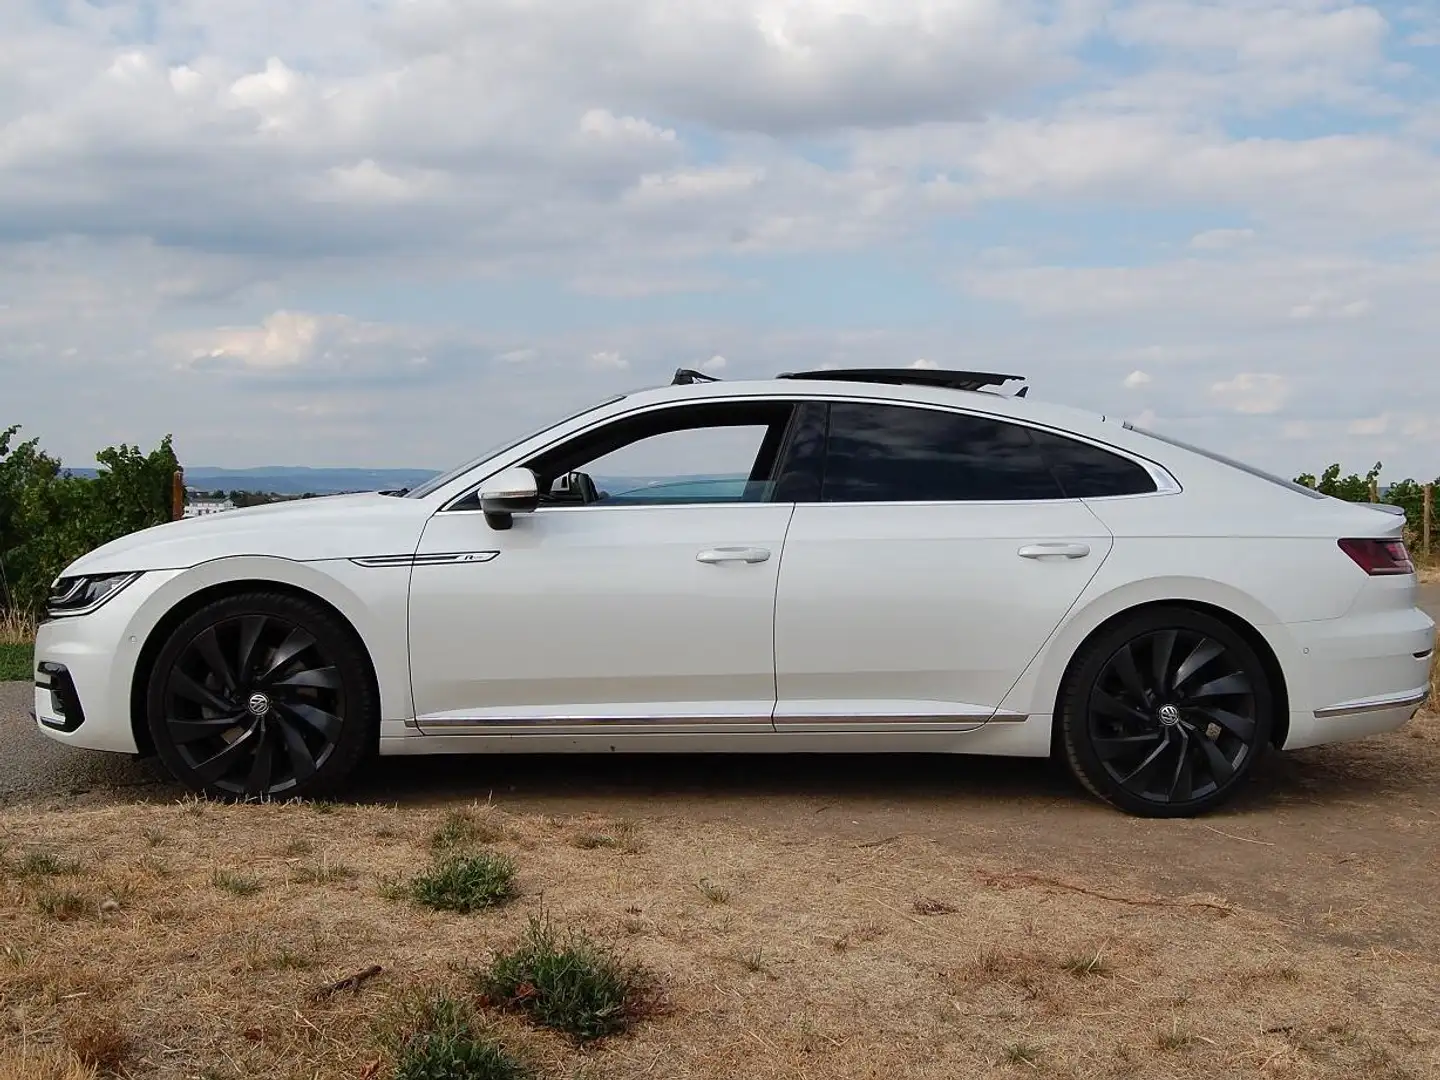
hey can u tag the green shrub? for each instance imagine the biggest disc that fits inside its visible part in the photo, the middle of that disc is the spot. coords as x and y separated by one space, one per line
438 1038
466 883
567 983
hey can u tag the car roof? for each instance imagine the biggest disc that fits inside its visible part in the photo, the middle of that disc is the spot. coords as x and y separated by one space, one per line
979 401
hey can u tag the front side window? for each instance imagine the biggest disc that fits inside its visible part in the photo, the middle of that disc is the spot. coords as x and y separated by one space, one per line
896 453
711 453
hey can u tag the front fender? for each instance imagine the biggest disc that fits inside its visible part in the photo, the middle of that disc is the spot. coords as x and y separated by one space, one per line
372 599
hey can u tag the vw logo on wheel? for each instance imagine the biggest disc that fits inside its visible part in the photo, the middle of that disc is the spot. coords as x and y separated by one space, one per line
259 704
1169 715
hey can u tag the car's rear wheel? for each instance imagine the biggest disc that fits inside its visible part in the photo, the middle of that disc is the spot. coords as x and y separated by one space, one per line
264 695
1165 713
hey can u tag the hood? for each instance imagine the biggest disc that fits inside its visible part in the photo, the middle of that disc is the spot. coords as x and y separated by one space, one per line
303 530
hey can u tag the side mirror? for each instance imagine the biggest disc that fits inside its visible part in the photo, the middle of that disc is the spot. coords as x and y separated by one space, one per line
514 491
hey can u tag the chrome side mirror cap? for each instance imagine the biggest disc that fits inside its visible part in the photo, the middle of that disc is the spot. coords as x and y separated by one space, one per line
514 491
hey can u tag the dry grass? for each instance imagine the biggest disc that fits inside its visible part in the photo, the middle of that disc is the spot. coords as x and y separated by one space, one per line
24 1062
17 637
16 628
818 962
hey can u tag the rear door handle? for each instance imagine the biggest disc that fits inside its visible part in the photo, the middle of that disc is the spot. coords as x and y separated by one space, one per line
1054 551
733 554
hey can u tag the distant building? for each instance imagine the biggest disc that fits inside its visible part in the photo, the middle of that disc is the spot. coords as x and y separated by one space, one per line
202 507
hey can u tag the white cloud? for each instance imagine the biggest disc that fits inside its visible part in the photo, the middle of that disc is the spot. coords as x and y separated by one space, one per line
715 364
516 356
1221 239
1136 379
608 360
1258 394
496 188
284 339
924 364
603 124
1369 426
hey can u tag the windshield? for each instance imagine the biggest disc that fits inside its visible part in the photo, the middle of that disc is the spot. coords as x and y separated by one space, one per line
435 484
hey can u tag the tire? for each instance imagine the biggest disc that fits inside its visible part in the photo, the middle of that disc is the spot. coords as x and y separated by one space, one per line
263 695
1165 713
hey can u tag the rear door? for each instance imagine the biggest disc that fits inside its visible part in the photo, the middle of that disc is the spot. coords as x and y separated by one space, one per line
939 556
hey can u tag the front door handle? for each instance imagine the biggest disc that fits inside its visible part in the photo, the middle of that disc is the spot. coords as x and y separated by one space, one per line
1054 551
733 554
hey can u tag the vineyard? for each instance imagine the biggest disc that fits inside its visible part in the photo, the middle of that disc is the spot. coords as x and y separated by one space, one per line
49 517
1412 496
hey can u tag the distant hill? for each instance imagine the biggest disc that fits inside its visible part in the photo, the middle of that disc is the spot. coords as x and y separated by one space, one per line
297 480
301 480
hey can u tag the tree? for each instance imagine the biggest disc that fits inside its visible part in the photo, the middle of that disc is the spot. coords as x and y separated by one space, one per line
1352 488
49 517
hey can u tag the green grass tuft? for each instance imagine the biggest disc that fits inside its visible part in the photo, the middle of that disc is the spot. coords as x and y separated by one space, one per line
235 883
323 873
567 983
1086 967
439 1038
46 864
63 905
1022 1053
460 829
465 883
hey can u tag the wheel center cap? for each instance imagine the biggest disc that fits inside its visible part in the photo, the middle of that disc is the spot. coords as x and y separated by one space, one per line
1169 715
259 704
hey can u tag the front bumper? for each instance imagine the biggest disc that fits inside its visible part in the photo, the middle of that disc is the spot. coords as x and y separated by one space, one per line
85 668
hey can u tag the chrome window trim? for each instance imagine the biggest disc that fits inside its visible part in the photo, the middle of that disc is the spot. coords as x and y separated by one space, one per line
1165 481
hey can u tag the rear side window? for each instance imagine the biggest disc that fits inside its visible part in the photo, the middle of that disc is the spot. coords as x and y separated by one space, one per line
1087 472
895 453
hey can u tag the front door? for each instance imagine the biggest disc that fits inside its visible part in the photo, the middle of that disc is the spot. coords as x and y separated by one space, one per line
941 554
640 596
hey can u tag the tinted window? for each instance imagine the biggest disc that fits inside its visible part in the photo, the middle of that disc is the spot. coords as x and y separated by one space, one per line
893 453
1087 472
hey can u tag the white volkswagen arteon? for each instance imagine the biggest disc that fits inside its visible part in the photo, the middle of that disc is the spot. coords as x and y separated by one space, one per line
845 561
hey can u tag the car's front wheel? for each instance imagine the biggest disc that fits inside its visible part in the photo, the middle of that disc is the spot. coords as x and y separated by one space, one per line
263 695
1165 713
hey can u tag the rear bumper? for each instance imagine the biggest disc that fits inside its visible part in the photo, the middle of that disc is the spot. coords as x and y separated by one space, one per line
1359 675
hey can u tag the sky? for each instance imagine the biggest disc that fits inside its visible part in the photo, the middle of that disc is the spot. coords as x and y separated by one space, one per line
394 232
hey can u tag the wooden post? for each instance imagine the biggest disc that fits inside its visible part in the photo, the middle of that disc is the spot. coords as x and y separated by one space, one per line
177 496
1425 520
1374 491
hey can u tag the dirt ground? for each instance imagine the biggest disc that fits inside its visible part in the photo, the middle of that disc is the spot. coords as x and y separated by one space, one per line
808 917
911 917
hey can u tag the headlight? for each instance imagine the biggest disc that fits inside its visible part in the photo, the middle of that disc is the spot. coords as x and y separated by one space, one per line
82 595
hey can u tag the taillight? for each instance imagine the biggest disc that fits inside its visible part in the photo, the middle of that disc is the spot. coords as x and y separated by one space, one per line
1379 558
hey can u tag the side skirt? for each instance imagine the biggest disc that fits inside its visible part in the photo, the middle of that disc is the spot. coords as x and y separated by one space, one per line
1023 737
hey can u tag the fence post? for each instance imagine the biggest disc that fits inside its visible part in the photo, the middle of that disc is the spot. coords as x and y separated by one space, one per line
177 496
1425 517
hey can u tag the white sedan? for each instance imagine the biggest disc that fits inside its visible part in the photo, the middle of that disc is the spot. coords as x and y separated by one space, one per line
848 561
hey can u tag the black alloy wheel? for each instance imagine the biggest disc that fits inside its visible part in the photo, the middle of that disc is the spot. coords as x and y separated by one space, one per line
259 696
1166 714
